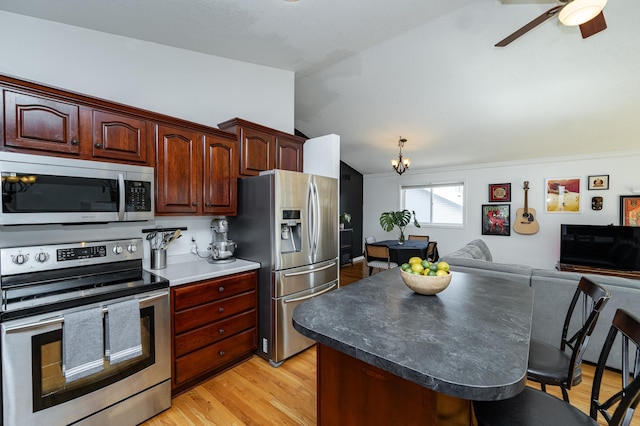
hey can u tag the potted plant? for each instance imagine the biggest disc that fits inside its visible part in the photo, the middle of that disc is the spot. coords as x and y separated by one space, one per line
344 218
388 220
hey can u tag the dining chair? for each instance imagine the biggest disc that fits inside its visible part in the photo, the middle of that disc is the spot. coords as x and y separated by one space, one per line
378 257
432 252
370 240
534 407
550 365
419 237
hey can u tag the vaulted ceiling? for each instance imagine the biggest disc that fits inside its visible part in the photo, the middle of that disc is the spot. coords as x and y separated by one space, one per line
427 70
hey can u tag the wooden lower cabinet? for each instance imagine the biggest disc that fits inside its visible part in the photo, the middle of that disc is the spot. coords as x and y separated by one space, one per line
352 392
213 327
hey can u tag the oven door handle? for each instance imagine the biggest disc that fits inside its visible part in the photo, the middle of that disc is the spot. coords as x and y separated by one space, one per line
298 299
60 319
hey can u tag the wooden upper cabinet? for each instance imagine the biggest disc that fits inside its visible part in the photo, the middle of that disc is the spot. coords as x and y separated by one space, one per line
196 173
121 137
257 151
57 125
289 153
177 170
220 166
39 123
263 148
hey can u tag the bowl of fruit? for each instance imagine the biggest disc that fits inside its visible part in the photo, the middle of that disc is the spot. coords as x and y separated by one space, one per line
425 277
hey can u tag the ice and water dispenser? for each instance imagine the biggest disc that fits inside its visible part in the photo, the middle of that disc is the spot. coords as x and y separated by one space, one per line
290 231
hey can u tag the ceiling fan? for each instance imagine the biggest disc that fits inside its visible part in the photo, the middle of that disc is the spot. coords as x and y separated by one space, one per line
585 13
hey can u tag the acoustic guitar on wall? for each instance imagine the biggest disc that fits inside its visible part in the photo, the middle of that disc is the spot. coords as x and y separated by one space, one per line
525 221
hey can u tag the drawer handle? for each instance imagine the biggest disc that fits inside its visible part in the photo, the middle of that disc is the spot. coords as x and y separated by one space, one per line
221 289
98 145
221 331
221 353
75 142
221 310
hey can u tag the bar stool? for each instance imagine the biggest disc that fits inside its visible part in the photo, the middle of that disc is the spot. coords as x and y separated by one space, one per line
550 365
532 407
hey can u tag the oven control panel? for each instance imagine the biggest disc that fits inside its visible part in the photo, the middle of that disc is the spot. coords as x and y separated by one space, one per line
20 260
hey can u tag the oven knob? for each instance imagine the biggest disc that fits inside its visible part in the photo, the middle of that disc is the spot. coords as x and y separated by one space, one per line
132 248
20 259
117 249
42 257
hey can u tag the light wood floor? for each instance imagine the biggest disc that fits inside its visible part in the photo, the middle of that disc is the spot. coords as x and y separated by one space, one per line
254 393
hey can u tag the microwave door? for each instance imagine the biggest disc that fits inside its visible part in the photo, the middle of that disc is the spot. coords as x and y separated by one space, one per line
43 190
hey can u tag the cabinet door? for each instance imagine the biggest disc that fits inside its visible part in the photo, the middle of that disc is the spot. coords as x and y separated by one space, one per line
177 170
220 166
33 122
258 151
289 154
119 137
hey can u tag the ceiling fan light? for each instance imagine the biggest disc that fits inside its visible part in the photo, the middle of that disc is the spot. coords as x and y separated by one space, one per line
580 11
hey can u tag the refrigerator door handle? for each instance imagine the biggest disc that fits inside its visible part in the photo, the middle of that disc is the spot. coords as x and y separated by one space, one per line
298 299
317 219
313 217
310 227
310 271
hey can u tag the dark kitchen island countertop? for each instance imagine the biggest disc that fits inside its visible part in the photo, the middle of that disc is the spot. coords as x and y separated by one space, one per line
470 341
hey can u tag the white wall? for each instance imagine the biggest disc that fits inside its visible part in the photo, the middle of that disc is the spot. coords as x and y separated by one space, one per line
541 250
200 88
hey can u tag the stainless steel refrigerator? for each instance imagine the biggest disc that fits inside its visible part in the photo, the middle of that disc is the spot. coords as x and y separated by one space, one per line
287 221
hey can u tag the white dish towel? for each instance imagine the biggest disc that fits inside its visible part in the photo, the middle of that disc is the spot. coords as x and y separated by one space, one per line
82 344
122 331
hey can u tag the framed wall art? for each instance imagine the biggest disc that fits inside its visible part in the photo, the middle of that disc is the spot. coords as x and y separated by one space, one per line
562 195
496 219
598 182
499 192
629 210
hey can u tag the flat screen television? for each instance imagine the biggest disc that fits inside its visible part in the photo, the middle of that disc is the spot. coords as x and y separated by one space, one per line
601 246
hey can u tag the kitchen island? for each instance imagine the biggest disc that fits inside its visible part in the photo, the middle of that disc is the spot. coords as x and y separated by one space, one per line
387 355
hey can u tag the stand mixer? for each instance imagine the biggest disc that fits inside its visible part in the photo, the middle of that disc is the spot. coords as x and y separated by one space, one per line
221 248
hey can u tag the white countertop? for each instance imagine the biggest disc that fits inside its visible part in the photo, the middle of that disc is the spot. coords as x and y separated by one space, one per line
187 268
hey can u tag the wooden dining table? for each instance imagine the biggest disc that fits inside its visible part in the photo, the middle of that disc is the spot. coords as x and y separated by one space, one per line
401 253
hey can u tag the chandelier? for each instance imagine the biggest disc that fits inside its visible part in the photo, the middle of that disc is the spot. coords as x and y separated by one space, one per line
401 165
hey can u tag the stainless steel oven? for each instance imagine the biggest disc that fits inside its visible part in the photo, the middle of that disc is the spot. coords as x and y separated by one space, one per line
41 287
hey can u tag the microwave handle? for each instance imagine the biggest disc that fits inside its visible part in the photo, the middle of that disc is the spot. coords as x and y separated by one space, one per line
121 188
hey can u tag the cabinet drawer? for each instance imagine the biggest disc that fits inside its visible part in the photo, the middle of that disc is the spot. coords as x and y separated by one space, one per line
211 333
213 356
208 291
215 311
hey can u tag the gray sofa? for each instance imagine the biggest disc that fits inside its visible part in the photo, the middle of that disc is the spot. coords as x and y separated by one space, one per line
552 293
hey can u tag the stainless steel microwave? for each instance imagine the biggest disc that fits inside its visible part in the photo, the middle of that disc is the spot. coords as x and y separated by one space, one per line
39 190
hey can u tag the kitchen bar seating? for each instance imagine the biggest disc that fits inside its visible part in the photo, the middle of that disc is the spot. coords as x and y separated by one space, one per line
534 407
550 365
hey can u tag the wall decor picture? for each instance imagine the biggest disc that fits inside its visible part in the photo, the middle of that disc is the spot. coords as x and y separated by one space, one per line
496 219
629 210
499 192
562 195
598 182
